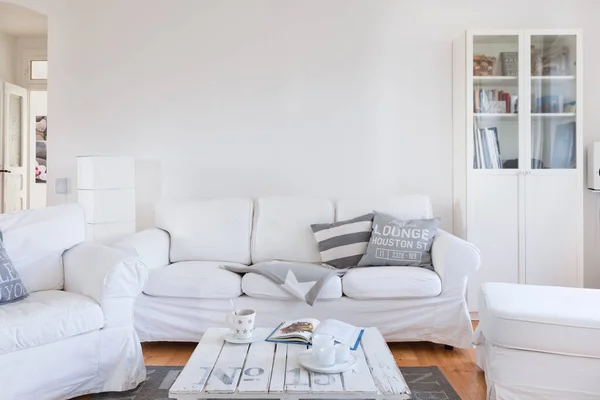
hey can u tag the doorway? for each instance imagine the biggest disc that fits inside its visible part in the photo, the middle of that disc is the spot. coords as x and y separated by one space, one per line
23 108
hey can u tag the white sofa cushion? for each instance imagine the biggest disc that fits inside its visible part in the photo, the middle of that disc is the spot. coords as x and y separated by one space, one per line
45 317
209 229
547 319
194 279
371 283
36 239
400 206
258 286
282 228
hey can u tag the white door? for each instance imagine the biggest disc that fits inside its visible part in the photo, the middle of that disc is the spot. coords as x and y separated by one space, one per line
493 226
14 163
554 180
551 229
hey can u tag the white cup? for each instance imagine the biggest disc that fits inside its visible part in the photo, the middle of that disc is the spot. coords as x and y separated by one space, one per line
242 323
342 353
323 349
326 355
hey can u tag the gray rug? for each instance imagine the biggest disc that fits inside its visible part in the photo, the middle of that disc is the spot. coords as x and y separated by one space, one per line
426 383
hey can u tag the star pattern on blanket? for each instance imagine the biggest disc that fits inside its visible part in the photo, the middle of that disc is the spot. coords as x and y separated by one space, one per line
299 289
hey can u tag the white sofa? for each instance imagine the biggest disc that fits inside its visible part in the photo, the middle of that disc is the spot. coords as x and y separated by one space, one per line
74 333
187 292
539 342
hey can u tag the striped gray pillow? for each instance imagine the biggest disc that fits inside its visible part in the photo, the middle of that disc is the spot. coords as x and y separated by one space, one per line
342 244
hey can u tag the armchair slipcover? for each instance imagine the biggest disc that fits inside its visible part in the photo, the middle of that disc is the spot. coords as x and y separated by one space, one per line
74 333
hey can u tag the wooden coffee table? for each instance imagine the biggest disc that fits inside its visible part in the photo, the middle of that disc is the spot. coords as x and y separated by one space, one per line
264 370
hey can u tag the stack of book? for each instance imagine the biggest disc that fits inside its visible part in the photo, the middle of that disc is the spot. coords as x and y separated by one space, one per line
494 101
486 149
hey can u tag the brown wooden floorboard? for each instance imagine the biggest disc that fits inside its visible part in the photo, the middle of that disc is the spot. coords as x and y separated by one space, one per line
458 365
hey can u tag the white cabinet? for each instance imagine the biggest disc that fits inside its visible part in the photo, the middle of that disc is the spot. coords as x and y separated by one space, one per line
518 168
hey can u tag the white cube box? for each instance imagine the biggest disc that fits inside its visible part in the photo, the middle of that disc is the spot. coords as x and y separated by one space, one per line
593 158
105 172
103 206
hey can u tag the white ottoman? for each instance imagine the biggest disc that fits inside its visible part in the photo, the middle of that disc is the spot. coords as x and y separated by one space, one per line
539 342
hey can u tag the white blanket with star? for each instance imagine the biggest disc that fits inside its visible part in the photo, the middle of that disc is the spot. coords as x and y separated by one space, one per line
302 280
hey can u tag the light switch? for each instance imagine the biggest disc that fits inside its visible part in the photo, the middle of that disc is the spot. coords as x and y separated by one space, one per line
61 186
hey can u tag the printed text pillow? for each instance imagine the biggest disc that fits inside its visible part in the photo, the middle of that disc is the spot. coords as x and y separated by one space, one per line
11 286
396 242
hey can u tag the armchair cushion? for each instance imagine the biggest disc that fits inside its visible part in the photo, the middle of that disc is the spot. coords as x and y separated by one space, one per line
391 283
45 317
36 239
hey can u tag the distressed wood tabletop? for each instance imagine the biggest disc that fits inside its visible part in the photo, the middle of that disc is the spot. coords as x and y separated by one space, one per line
264 370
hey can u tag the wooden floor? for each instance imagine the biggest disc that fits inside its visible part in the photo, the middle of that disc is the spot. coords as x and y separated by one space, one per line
458 365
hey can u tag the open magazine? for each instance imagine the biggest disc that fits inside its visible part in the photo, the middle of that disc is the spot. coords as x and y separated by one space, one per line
301 331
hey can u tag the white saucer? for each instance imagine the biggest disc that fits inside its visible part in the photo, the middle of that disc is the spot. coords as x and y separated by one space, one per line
259 334
306 360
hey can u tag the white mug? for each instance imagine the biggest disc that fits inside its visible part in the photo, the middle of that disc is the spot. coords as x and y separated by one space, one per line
242 323
323 349
326 355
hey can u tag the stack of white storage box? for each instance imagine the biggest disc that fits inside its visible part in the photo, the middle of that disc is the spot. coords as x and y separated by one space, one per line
106 190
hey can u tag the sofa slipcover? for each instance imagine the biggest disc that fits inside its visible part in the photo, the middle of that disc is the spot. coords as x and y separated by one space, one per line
258 286
195 280
371 283
406 305
212 229
45 317
282 228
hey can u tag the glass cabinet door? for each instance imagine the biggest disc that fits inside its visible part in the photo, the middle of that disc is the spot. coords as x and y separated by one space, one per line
553 101
495 83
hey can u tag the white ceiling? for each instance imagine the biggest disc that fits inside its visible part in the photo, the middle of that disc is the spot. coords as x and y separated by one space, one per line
20 21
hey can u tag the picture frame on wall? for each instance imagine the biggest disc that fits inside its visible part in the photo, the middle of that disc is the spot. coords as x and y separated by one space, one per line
41 136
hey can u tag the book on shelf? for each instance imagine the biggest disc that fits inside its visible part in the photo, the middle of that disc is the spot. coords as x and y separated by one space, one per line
301 331
492 101
486 149
559 147
549 104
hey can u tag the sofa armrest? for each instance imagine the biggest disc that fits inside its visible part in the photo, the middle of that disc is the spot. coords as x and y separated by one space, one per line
151 246
454 259
107 275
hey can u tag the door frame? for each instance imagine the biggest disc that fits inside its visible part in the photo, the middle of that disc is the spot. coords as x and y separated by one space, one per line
5 87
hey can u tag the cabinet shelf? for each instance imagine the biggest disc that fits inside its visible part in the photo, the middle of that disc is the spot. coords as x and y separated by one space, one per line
495 78
495 115
550 115
553 78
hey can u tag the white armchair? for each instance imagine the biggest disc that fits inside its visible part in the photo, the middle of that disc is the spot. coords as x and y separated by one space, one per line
74 333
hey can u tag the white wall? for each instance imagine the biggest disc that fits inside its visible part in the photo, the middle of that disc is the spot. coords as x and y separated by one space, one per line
7 58
259 97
